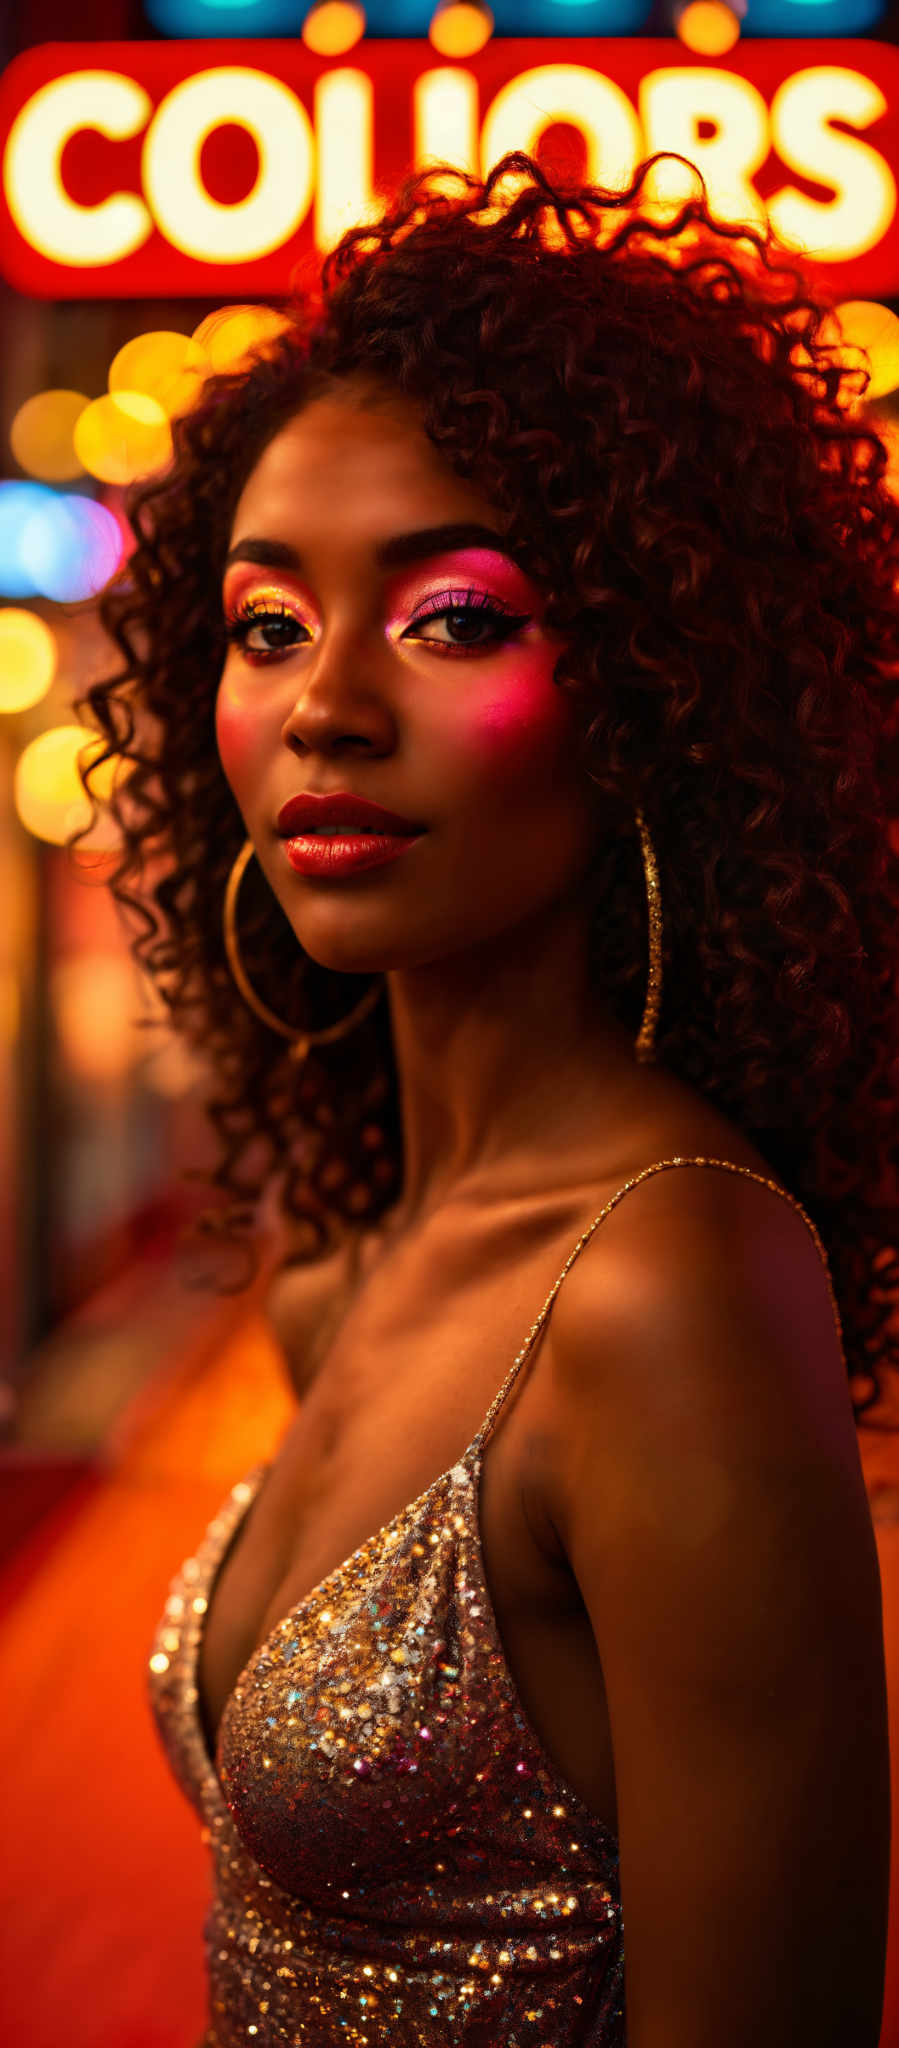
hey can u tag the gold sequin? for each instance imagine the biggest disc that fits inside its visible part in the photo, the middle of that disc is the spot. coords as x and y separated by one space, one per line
415 1881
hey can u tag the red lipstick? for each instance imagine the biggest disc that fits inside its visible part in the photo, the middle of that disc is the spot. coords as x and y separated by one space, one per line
339 807
313 849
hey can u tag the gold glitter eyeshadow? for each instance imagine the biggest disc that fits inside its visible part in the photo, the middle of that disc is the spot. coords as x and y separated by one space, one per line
396 1861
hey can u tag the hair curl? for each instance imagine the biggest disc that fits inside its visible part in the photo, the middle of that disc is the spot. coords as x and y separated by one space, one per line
687 471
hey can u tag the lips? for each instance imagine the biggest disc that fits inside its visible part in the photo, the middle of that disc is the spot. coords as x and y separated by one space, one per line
303 813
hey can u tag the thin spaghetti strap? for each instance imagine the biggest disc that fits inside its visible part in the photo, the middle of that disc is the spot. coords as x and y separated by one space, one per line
659 1166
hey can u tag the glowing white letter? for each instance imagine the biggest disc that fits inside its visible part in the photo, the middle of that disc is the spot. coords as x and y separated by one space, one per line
343 127
445 117
280 127
672 104
837 229
55 225
586 99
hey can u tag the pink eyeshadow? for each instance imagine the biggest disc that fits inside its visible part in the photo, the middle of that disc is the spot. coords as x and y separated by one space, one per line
494 571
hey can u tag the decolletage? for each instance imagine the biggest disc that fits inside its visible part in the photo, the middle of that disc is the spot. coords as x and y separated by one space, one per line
396 1859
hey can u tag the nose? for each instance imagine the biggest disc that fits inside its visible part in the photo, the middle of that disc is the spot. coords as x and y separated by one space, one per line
340 704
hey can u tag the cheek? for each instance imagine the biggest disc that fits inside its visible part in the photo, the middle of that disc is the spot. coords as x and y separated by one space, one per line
239 736
525 721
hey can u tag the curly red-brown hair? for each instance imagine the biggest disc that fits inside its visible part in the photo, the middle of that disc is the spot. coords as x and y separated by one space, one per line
685 466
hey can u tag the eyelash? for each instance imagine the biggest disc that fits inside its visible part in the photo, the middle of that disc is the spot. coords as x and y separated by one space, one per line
240 622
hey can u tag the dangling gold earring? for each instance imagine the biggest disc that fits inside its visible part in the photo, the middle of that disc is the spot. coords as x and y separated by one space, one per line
300 1042
644 1044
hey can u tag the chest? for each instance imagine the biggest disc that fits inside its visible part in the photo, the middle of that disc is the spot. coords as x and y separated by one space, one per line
395 1399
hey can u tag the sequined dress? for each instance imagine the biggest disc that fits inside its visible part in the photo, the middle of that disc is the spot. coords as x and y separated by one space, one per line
396 1859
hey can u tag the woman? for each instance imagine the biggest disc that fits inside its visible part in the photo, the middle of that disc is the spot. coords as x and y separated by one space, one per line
569 557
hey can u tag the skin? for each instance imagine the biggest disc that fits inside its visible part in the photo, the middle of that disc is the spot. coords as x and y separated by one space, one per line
482 927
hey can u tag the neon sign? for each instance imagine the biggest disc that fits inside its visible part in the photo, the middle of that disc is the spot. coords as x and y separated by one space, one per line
141 169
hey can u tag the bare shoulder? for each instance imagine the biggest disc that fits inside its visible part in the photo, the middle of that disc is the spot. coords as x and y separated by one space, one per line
712 1509
709 1283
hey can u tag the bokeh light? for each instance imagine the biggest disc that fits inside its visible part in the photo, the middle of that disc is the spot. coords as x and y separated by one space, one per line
28 656
55 544
223 18
70 547
228 335
709 27
49 797
41 435
332 27
166 366
95 1006
18 501
460 29
815 17
111 500
123 436
869 325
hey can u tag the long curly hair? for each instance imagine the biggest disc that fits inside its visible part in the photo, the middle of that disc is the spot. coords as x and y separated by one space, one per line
687 470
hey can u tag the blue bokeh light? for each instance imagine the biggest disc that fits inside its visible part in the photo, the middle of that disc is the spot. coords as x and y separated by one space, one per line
19 502
227 17
55 544
70 547
812 17
387 18
409 18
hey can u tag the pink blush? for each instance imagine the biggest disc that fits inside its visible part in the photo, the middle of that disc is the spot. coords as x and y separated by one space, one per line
525 712
239 733
507 718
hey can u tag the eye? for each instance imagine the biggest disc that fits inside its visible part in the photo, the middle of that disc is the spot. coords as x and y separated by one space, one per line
477 614
265 629
274 627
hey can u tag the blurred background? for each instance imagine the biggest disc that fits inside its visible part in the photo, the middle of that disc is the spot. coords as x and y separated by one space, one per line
164 166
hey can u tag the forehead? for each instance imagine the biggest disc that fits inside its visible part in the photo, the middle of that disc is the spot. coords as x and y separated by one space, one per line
342 459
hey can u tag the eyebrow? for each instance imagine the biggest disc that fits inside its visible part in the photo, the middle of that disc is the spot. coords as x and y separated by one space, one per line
390 554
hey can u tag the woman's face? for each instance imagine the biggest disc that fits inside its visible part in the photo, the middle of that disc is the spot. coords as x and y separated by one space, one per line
348 671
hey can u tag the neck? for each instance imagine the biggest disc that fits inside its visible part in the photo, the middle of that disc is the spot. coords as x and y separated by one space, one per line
510 1070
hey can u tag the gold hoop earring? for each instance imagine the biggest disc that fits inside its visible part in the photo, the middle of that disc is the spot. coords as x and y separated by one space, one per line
301 1041
644 1044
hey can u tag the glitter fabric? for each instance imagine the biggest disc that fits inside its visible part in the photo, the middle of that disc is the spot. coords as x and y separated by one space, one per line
397 1862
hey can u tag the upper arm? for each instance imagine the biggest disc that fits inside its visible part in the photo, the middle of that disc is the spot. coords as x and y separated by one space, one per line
714 1513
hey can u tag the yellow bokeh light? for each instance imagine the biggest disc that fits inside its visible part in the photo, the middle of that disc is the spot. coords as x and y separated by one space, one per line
41 435
27 659
49 797
95 1007
709 27
460 29
167 367
866 324
228 335
123 436
332 27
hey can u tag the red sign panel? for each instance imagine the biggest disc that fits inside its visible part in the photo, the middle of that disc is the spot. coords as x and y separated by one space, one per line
206 169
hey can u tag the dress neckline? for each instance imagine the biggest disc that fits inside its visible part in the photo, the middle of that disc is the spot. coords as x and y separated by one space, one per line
254 1481
468 1466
